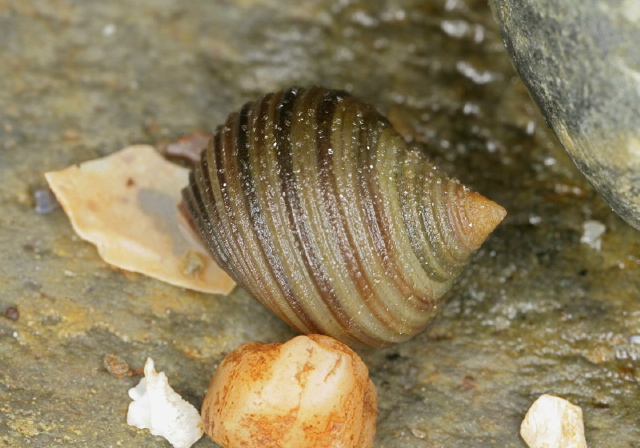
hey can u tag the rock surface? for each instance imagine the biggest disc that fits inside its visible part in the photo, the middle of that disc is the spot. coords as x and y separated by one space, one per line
536 311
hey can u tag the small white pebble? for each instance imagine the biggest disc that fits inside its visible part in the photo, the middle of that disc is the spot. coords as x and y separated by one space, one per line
475 75
158 408
592 231
109 30
553 422
455 28
634 339
534 220
14 334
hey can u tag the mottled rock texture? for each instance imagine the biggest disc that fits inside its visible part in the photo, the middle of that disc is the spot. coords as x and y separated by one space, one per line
536 311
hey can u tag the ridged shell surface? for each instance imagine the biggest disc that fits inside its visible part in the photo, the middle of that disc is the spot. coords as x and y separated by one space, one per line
311 201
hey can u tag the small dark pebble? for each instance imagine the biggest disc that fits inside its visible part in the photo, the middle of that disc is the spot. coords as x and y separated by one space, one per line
12 313
115 365
118 367
45 201
469 383
187 148
393 356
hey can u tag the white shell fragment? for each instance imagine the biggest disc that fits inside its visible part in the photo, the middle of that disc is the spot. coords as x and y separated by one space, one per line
127 205
591 232
553 422
158 408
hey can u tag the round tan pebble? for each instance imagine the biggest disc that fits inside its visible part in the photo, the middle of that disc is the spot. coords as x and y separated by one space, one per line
310 392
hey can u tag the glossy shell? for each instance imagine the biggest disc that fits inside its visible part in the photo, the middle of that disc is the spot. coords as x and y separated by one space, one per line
311 201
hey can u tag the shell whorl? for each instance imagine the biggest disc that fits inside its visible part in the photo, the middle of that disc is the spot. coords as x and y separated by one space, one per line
311 201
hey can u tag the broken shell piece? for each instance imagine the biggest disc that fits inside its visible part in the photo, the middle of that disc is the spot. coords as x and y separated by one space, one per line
158 408
553 422
126 204
310 392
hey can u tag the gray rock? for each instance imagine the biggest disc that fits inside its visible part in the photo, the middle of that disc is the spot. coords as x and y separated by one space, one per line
580 60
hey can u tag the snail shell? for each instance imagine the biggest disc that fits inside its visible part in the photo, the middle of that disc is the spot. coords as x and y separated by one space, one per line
311 201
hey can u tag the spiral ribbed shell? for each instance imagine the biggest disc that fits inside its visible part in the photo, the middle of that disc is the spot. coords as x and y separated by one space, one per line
311 201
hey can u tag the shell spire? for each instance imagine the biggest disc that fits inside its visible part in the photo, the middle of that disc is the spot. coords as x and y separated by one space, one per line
311 201
481 214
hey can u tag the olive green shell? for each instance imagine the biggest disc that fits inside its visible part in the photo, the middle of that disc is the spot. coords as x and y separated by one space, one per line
313 203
